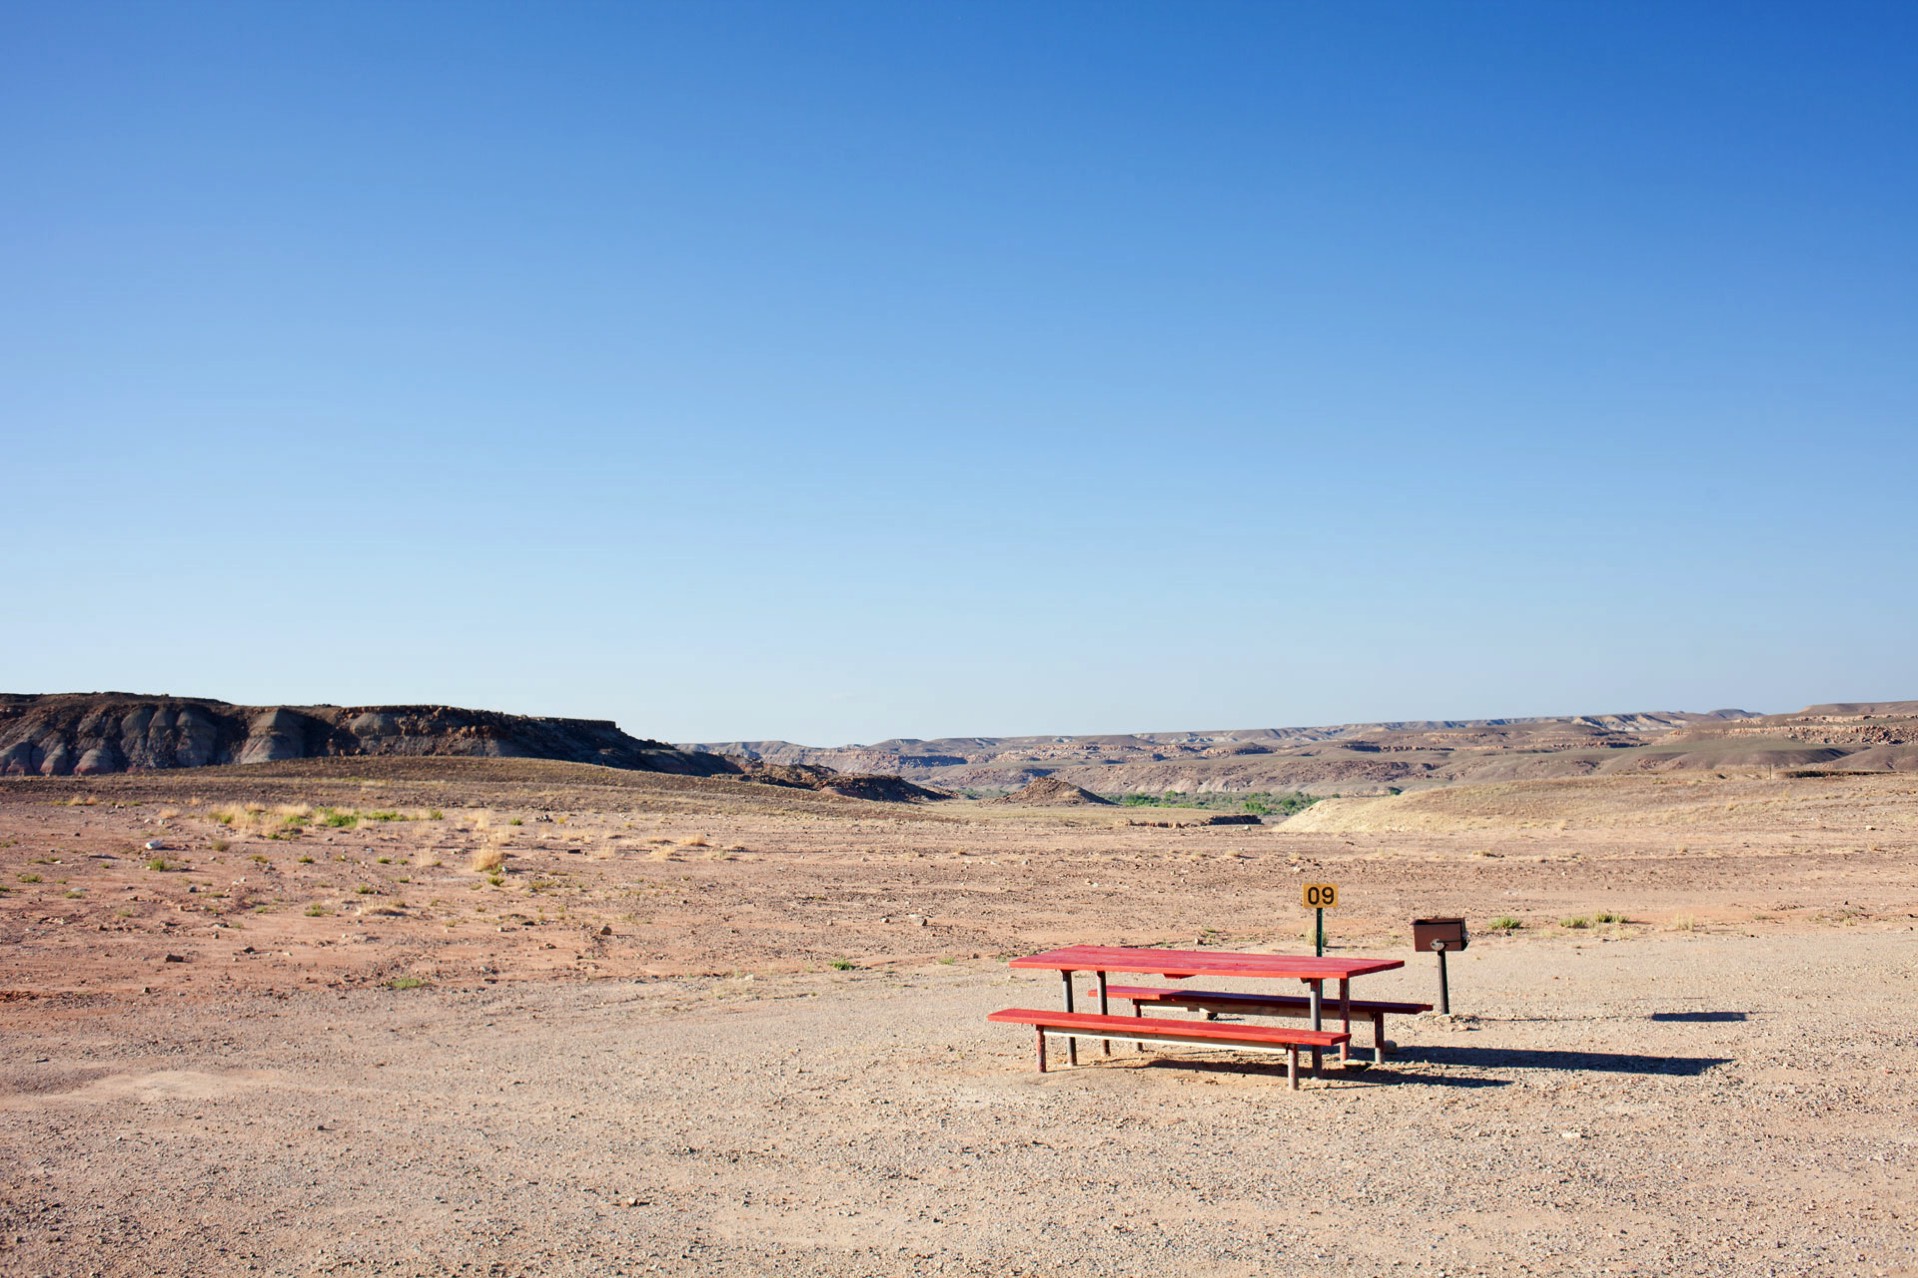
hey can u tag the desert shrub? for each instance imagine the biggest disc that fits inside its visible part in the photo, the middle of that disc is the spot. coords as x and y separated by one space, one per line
487 861
1579 921
407 982
1608 916
1505 923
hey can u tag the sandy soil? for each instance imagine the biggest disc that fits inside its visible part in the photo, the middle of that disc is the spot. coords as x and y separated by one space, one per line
699 1026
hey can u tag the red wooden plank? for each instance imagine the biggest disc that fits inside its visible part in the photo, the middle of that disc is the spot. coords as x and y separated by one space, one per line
1091 1023
1179 964
1174 993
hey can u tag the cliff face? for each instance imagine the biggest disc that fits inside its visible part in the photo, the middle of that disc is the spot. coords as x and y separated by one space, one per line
90 734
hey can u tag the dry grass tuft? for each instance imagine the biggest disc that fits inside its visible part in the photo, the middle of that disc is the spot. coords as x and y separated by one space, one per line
487 861
696 841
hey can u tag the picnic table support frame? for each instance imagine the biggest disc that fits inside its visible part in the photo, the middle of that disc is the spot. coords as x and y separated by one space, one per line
1104 1008
1072 1044
1345 1016
1318 1021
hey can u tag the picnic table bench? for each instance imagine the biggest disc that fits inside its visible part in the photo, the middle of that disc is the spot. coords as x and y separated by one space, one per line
1135 1029
1373 1010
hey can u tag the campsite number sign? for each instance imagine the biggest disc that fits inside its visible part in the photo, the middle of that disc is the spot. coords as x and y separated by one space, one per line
1320 896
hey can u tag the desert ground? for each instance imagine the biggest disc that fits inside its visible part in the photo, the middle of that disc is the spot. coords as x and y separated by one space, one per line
388 1016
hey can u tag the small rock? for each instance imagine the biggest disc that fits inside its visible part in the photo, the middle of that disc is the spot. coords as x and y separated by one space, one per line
156 845
175 958
606 930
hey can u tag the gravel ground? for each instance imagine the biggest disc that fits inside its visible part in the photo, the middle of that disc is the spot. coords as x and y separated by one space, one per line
1666 1103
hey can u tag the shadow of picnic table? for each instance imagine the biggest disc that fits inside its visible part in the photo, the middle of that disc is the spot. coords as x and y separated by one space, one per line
1571 1061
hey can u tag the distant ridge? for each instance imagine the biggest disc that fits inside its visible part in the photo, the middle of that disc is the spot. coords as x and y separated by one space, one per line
1374 758
93 734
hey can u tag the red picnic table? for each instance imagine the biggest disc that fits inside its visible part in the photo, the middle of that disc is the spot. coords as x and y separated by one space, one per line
1177 965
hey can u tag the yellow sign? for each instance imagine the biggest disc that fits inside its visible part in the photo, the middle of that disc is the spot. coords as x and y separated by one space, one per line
1320 896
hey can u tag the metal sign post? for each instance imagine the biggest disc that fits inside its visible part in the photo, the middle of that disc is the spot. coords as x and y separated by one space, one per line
1320 897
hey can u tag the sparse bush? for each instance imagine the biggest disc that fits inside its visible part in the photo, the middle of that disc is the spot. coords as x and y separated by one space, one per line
317 911
1505 923
1684 923
1608 916
339 820
221 845
516 821
34 878
435 815
407 982
158 864
365 889
1580 921
843 965
487 861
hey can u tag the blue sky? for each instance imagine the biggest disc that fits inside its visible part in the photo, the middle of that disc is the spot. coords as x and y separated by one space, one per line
842 371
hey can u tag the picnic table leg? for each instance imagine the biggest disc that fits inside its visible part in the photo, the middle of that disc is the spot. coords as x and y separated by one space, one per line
1292 1066
1318 1021
1378 1038
1345 1016
1072 1044
1137 1010
1042 1047
1104 1008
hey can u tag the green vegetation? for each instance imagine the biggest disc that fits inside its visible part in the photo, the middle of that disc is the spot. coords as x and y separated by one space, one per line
1258 803
1505 923
158 865
339 820
34 878
1579 921
843 965
407 982
317 911
1608 916
365 889
306 860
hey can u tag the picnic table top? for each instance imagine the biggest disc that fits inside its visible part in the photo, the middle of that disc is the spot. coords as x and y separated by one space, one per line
1176 964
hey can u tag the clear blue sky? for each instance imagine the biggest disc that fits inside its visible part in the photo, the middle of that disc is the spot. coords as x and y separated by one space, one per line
839 371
